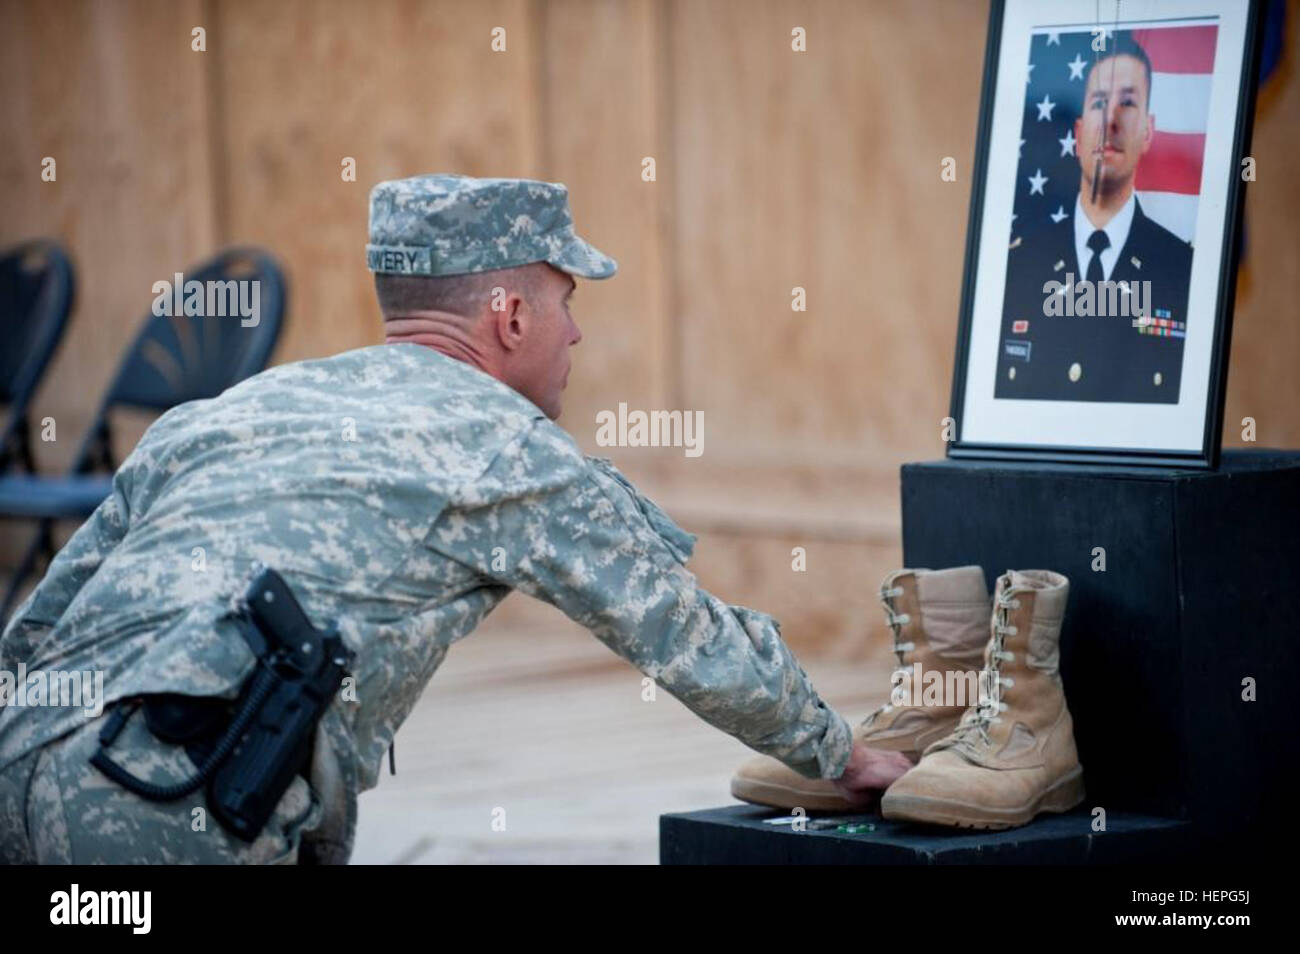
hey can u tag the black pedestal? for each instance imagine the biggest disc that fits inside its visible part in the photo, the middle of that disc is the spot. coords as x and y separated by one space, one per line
1200 592
739 836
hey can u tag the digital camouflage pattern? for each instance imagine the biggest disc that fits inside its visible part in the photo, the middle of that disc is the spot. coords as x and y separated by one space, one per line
403 494
453 225
76 815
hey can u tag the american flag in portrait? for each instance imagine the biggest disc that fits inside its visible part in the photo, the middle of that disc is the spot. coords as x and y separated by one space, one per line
1168 178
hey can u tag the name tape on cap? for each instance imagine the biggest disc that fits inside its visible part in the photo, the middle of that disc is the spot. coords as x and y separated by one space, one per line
401 259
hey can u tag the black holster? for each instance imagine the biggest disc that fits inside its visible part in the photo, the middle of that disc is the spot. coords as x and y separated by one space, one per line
247 750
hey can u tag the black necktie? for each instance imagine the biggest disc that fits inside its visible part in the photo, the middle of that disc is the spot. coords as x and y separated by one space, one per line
1097 241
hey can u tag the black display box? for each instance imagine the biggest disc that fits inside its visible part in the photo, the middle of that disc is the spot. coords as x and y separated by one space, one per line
1200 592
738 835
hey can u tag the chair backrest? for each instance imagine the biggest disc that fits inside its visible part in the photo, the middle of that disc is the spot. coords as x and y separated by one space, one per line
179 357
37 291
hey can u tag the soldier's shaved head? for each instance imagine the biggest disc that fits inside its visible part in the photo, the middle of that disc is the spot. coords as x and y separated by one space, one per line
466 295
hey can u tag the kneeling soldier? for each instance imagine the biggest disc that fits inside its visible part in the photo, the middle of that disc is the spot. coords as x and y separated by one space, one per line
398 493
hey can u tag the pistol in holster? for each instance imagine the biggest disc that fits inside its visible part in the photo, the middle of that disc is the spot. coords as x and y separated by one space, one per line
247 750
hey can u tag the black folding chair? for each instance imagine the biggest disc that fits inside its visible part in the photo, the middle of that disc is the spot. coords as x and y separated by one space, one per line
37 289
173 359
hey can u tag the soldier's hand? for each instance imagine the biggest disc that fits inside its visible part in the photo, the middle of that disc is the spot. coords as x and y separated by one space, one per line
869 772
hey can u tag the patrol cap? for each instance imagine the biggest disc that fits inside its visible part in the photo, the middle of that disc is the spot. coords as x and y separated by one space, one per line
452 225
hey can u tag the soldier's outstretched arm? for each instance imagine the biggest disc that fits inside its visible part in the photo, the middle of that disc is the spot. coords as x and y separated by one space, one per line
76 563
573 532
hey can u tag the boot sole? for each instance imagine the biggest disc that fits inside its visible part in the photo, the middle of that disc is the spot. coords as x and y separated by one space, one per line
1063 795
782 796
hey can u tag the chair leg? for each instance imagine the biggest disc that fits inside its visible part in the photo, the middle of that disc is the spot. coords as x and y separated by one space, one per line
45 539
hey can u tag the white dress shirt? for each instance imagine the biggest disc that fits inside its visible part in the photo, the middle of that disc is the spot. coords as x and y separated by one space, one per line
1116 230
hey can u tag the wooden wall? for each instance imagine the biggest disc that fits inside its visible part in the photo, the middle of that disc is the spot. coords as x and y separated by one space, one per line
774 169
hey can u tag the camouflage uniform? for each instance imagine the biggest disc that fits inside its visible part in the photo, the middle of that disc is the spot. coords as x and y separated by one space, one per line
404 494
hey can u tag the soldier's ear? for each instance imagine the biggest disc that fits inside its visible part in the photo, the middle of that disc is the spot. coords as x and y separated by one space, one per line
510 321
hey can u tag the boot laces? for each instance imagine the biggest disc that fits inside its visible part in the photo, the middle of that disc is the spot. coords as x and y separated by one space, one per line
896 621
975 723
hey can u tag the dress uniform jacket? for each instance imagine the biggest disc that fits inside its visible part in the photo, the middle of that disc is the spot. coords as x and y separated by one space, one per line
1112 357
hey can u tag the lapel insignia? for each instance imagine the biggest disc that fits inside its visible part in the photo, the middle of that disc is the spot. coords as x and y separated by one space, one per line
1137 262
1059 265
1015 244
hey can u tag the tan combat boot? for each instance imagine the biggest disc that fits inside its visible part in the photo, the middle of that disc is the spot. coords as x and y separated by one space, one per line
939 619
1013 755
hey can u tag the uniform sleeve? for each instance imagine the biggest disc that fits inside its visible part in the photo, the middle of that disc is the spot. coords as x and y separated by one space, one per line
573 532
76 563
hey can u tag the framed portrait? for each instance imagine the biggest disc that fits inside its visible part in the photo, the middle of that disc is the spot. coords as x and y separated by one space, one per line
1105 219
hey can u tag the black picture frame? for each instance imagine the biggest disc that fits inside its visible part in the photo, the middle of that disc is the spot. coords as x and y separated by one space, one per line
1208 455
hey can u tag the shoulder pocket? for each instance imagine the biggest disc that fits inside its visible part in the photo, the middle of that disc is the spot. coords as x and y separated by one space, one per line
681 543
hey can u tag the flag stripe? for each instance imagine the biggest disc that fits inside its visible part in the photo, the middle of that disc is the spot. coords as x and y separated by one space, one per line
1180 49
1180 102
1173 164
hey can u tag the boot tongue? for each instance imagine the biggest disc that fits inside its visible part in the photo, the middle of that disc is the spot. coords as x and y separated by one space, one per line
1028 580
1050 590
971 739
1022 580
1035 579
961 584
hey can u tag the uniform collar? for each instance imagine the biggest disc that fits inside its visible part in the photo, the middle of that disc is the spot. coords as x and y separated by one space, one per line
453 368
1116 229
